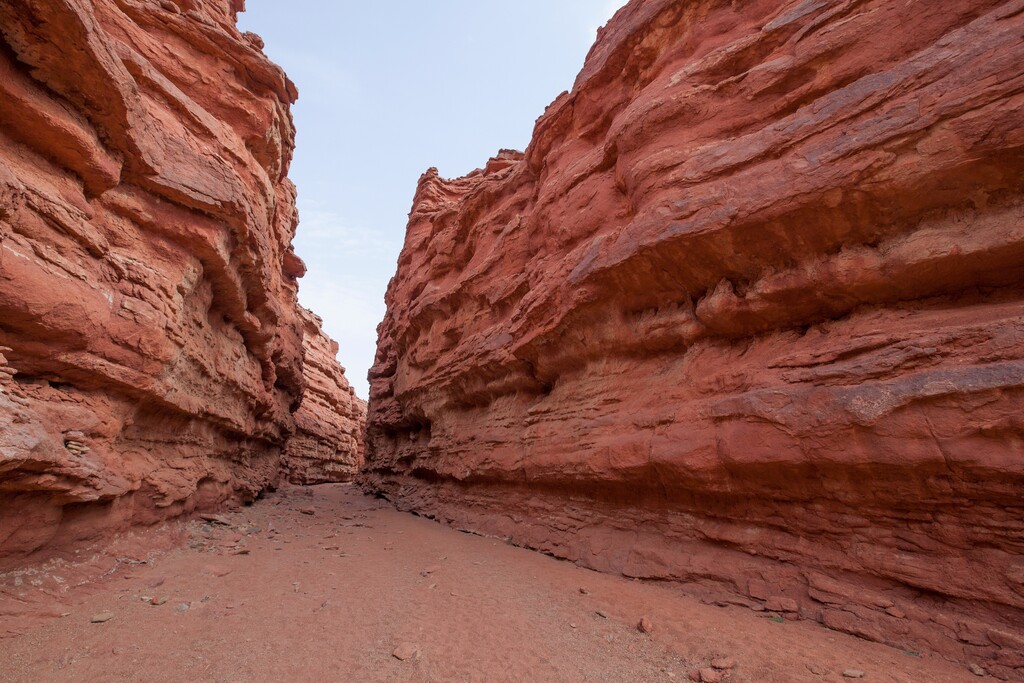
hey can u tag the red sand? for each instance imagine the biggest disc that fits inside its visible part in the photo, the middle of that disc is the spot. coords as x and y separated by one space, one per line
330 597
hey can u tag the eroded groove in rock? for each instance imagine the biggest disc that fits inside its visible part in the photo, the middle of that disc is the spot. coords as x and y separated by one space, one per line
153 345
746 314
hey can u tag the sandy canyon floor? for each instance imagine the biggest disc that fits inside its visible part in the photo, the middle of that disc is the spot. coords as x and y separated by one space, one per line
324 584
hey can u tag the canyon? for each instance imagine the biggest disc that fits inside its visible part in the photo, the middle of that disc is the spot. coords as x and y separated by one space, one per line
154 359
736 343
746 315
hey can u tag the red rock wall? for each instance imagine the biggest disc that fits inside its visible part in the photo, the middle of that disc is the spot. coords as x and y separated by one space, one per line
746 315
328 444
147 283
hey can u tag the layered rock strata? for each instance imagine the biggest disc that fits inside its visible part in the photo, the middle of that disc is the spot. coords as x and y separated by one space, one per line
154 349
746 315
328 443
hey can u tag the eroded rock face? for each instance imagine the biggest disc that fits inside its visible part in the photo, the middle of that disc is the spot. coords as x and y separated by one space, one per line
328 444
745 315
147 284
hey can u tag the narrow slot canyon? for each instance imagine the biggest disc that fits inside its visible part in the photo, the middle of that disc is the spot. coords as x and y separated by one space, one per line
720 378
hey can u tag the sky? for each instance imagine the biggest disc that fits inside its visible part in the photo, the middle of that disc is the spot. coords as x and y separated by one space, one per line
388 89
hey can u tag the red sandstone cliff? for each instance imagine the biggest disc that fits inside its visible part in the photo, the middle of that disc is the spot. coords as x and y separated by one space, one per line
746 315
147 283
328 443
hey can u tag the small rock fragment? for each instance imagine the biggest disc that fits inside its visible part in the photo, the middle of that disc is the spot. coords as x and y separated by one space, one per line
977 670
583 591
724 663
160 601
601 613
405 651
216 519
102 617
183 607
709 675
308 510
853 673
645 625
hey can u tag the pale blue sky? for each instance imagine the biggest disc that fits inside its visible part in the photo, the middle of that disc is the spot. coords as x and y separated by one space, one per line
386 90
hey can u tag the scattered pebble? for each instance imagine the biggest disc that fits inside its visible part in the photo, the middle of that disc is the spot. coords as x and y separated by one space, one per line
853 673
162 600
183 607
308 510
709 675
405 651
216 519
601 613
977 670
583 591
724 663
102 617
573 625
645 625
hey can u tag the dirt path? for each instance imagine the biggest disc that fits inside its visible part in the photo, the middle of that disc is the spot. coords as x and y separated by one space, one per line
284 595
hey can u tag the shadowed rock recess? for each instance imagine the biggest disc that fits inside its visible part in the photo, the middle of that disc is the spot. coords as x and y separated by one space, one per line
746 315
153 348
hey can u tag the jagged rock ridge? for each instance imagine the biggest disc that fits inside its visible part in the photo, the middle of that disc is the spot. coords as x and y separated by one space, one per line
745 315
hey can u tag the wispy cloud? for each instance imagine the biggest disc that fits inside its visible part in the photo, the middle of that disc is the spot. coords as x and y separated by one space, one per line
321 229
349 267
